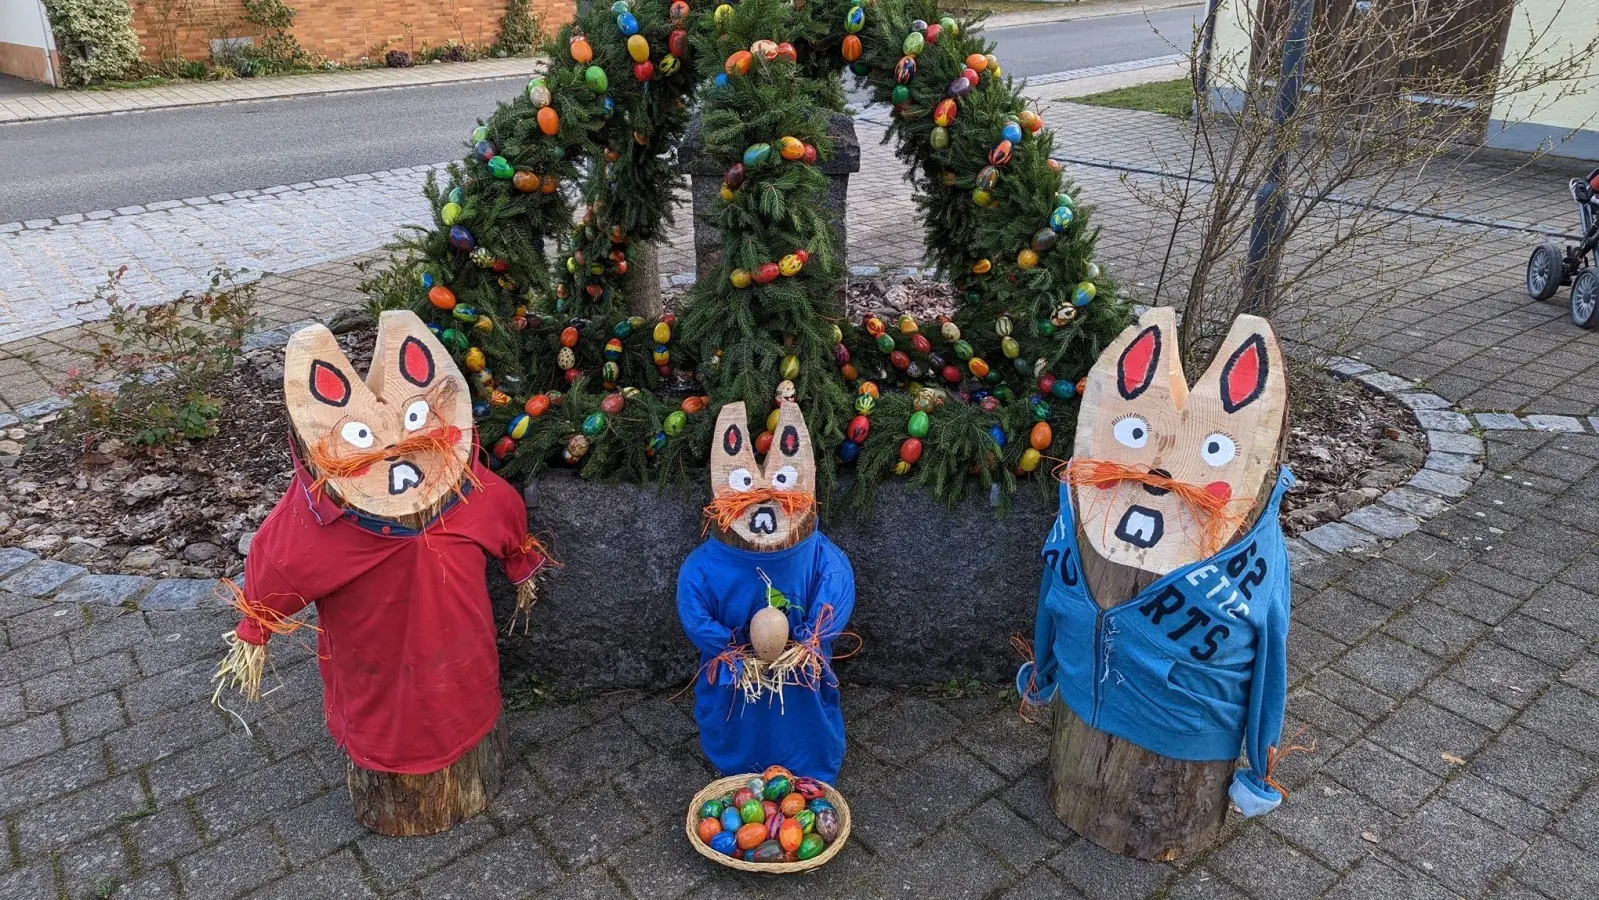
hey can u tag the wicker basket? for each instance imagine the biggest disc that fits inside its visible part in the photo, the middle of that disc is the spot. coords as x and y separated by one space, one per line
723 786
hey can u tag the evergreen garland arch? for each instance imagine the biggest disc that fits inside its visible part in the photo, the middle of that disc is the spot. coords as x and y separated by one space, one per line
583 161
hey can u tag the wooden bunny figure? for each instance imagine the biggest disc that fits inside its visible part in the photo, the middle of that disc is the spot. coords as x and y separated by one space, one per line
1163 618
386 528
763 601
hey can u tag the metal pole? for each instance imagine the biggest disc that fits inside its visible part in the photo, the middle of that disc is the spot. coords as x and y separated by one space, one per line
1265 235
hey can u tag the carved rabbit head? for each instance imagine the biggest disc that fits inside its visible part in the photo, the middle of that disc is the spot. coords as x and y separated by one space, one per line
770 506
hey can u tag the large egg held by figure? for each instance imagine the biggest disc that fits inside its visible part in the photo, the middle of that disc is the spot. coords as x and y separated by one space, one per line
769 633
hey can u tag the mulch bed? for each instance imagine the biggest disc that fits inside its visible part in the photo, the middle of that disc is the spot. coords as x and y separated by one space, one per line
190 511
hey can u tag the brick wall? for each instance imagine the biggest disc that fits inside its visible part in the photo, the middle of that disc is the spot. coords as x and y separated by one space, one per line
343 30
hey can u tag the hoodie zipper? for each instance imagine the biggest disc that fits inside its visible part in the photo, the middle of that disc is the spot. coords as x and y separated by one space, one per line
1099 664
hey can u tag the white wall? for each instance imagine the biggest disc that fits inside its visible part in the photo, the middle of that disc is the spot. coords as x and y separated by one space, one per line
1531 38
22 22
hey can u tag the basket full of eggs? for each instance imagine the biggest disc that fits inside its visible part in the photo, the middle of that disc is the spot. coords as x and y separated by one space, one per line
772 822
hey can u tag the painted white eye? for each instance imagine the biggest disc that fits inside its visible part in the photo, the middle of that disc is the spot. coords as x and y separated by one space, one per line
416 415
1132 432
740 480
786 478
1218 449
357 434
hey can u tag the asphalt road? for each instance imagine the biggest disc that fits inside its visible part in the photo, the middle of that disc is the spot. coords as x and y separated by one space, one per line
65 166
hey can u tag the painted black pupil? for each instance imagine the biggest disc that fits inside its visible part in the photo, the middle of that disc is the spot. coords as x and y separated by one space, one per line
1138 433
1213 447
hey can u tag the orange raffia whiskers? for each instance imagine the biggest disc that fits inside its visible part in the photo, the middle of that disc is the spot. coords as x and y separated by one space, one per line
265 616
442 439
727 507
1210 511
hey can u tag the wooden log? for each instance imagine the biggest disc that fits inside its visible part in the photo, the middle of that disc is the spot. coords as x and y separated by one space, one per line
642 283
1111 791
409 805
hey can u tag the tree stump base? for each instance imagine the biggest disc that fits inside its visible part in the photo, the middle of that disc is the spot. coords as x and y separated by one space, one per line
411 805
1131 801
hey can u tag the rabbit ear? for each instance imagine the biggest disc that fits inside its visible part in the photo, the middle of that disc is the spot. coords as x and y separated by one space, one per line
1248 377
1141 371
319 385
790 466
732 452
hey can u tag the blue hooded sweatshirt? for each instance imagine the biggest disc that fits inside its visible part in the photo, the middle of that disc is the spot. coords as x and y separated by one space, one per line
718 591
1192 667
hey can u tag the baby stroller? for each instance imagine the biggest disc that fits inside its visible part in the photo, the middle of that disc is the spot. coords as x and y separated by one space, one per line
1551 266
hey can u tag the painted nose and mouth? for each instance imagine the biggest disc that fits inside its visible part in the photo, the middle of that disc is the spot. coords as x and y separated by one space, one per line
402 476
764 520
1142 527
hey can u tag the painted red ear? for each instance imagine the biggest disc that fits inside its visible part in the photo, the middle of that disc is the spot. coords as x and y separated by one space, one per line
1135 371
733 440
1244 377
416 362
789 443
328 384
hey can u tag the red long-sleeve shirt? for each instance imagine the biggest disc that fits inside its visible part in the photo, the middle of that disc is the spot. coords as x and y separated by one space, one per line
410 669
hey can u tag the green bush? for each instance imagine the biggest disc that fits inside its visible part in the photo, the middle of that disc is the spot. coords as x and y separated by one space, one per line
96 39
150 383
520 28
279 51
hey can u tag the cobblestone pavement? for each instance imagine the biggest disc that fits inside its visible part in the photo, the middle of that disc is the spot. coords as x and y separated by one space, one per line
1450 684
56 104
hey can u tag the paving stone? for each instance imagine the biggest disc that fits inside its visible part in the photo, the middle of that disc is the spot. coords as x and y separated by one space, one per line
1440 483
1007 835
1379 775
1468 704
240 803
1451 442
232 867
1529 765
87 679
1338 537
582 760
1004 741
337 877
1502 808
1473 599
951 866
1570 424
179 594
1499 421
1372 878
93 717
1462 851
662 864
324 825
1387 665
1560 870
29 739
201 768
104 590
1386 383
1566 715
1352 695
154 696
164 835
663 724
37 880
586 828
14 558
949 782
593 883
1043 884
1436 629
1442 420
1419 504
157 884
1426 735
905 731
107 634
1427 554
1270 868
1382 521
90 811
1565 606
1540 640
1454 464
42 622
396 862
514 864
40 579
1422 400
1340 614
95 868
1330 822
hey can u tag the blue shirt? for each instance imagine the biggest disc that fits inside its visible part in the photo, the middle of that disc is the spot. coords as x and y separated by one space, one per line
718 591
1192 667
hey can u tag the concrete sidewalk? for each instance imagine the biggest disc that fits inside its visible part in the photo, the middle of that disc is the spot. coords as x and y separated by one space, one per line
55 104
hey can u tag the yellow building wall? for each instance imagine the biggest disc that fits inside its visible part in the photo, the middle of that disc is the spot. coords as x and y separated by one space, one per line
1575 23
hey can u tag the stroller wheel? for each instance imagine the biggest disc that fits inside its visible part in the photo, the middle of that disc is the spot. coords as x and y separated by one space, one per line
1544 271
1585 299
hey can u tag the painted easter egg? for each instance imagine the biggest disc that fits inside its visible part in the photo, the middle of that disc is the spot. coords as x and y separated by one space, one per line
1041 436
852 48
793 805
1027 258
1084 293
594 424
987 178
949 25
855 19
960 87
780 786
738 63
939 138
790 148
669 66
790 834
848 451
643 71
675 422
549 121
811 846
766 273
805 817
722 15
977 62
905 69
1030 121
537 405
827 823
740 278
613 403
500 167
709 828
944 112
441 297
1044 239
769 851
913 44
724 842
865 403
790 266
595 78
1063 389
627 24
859 428
901 95
1030 460
1001 154
756 154
638 47
461 239
582 52
769 638
918 425
526 182
978 367
677 43
751 834
934 32
1061 218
